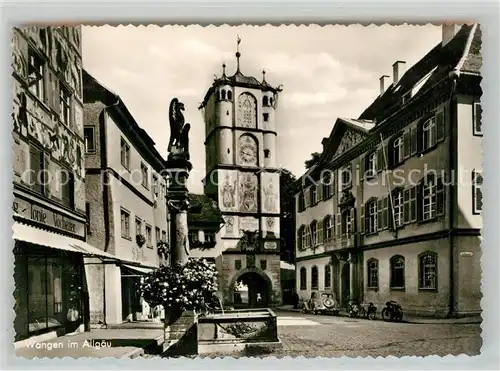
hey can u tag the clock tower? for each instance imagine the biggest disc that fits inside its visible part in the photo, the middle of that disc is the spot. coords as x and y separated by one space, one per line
242 176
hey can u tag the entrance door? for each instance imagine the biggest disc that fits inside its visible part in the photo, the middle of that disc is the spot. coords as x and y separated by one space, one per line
346 284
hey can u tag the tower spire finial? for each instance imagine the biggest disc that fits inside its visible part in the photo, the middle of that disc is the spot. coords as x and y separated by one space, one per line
224 69
263 75
238 54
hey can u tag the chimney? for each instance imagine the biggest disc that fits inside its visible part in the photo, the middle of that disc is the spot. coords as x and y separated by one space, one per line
449 32
384 83
398 70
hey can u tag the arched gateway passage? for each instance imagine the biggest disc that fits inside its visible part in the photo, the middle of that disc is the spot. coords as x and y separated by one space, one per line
251 288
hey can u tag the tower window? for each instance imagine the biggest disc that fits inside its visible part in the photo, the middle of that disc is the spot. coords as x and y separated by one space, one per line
267 153
229 95
270 101
266 117
223 94
265 101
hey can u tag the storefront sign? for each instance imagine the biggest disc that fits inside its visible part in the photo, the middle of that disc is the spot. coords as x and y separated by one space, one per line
25 209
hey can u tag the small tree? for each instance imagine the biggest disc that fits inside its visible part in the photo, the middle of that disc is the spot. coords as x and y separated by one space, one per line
180 287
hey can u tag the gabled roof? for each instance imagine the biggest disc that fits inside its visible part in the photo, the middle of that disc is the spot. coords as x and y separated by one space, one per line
204 210
462 53
93 91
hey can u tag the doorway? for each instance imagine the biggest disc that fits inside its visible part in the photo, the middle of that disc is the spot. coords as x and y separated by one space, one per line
251 290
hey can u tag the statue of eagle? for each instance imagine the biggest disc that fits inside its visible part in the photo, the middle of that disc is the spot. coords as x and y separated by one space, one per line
176 122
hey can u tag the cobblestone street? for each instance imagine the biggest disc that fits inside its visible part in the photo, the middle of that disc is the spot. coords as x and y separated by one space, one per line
328 336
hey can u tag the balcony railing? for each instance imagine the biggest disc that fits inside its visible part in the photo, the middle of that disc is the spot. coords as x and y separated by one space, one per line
343 241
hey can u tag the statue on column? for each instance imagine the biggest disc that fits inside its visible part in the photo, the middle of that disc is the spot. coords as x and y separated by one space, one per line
179 132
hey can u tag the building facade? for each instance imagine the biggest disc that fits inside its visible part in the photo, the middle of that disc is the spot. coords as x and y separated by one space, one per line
243 178
49 227
126 205
392 209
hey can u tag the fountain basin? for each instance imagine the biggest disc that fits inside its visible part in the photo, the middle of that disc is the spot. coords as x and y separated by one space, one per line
237 331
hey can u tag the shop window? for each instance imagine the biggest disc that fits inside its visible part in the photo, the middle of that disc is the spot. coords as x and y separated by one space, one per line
427 271
314 278
303 278
397 272
372 270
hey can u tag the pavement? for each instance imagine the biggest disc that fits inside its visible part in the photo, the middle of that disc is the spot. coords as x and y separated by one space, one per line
125 341
406 317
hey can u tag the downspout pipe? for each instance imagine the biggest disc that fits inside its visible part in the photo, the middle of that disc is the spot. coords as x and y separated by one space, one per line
454 76
105 195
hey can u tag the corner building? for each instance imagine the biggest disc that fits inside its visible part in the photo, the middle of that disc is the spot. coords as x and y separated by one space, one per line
126 205
49 220
243 177
392 210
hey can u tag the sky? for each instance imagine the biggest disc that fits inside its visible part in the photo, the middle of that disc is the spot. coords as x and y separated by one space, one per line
326 72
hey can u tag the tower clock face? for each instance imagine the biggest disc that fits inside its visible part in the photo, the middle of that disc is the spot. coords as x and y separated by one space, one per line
248 154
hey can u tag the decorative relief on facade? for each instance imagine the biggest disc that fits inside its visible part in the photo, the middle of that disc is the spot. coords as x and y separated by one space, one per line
247 111
349 140
78 111
247 152
19 48
137 254
231 226
228 190
248 192
271 227
270 193
248 223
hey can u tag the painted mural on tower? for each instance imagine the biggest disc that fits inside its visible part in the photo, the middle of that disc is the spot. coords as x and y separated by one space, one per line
248 192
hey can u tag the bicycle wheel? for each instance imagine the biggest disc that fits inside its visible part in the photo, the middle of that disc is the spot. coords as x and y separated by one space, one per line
386 315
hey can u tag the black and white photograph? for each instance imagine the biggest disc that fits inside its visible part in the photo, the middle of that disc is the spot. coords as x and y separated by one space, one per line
247 191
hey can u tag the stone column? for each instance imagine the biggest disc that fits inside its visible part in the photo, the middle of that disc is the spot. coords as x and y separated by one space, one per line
178 205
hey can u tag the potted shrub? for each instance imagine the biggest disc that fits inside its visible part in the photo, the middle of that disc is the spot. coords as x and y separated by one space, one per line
180 287
140 239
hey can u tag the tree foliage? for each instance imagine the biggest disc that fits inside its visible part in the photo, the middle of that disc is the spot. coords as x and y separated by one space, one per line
287 219
315 156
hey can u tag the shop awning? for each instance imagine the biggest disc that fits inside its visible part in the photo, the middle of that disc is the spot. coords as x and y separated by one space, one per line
137 269
42 237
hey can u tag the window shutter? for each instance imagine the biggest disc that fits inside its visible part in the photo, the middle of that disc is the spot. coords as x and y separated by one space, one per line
319 232
334 182
390 212
390 153
48 94
338 227
319 191
440 126
440 197
307 198
414 140
352 213
419 202
34 167
384 213
420 137
362 166
362 220
380 159
379 214
46 172
407 143
407 205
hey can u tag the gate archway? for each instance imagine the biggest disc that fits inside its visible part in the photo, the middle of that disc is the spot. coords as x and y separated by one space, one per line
250 288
